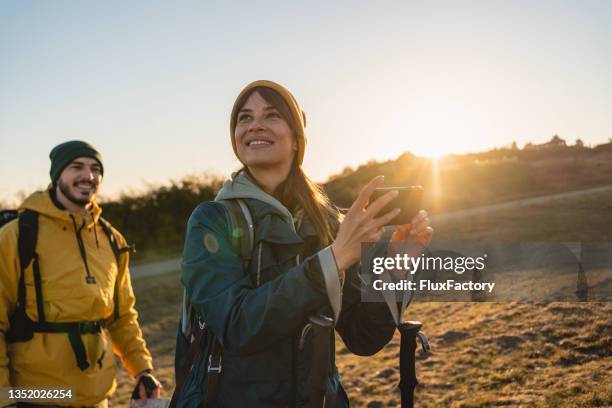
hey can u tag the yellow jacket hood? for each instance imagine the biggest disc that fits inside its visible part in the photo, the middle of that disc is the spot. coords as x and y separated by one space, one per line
42 203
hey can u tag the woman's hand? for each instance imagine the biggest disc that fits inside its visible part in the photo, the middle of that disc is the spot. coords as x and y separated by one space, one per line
418 231
360 225
147 387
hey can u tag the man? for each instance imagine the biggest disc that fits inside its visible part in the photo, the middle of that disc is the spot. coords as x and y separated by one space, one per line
79 303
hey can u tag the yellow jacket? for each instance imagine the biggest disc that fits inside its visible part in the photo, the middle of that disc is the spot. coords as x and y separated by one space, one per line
48 360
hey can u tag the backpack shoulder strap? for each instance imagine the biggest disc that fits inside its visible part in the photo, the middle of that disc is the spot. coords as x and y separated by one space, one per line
26 247
242 230
28 234
26 243
20 324
108 231
117 251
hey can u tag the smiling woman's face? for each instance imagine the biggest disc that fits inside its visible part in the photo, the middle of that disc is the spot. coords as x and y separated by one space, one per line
263 137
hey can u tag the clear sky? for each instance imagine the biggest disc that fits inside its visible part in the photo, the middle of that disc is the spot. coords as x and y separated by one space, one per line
151 84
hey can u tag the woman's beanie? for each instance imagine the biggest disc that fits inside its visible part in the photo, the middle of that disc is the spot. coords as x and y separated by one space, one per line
298 114
64 153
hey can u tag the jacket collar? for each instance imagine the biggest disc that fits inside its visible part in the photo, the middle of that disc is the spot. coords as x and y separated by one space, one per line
42 203
273 221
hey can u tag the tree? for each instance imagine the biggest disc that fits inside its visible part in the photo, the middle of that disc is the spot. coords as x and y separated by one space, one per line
555 142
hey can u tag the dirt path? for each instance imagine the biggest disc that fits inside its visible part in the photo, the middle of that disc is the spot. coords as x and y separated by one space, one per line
518 203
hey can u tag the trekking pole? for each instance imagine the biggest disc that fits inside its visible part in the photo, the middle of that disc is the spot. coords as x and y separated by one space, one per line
322 327
409 332
582 286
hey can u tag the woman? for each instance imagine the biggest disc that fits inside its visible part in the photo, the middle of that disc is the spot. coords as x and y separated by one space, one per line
304 266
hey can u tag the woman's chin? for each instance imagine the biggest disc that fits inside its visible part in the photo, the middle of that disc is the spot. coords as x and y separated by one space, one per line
266 163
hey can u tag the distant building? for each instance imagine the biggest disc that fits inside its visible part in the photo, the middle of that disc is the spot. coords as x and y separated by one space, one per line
554 143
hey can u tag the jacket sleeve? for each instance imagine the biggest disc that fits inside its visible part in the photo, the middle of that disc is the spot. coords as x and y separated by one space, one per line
125 332
365 327
245 318
9 277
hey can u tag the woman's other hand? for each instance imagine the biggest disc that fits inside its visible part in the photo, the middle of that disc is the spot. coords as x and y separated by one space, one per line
418 231
360 224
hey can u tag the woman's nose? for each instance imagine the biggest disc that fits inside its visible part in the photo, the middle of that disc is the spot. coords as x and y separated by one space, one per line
256 124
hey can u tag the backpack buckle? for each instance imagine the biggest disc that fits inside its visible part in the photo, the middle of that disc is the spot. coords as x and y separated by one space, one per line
211 369
89 327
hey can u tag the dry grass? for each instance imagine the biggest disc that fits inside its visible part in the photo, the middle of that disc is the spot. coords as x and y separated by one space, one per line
485 354
493 354
158 301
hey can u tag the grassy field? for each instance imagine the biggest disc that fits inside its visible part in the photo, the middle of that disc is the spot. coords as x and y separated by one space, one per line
487 354
585 218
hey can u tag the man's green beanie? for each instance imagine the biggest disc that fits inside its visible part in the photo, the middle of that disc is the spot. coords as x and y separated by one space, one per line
63 154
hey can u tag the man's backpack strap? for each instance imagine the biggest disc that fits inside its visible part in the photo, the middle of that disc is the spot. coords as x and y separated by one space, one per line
26 243
20 325
117 251
108 230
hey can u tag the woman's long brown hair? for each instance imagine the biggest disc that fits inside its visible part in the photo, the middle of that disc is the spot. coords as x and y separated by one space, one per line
298 190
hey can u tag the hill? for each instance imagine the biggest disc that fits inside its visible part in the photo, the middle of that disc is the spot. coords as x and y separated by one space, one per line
155 221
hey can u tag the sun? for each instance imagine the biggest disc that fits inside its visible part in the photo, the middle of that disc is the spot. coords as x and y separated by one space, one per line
432 151
437 126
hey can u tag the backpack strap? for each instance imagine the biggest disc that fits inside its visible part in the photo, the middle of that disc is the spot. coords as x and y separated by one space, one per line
242 231
108 231
242 236
20 324
26 243
28 234
118 252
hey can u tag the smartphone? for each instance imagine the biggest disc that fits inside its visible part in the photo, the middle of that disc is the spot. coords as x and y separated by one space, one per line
408 201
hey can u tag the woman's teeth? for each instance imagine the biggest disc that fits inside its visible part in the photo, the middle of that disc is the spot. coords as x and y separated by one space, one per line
259 142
